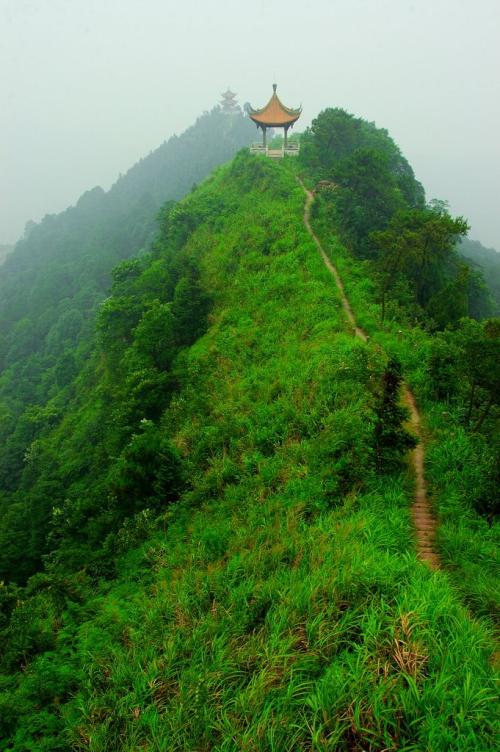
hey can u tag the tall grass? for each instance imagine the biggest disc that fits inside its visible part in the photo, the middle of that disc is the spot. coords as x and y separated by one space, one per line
468 543
280 606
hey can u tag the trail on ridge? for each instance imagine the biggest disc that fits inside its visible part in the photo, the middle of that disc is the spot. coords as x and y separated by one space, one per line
423 518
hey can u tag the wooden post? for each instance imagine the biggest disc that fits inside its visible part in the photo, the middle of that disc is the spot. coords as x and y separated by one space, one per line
264 137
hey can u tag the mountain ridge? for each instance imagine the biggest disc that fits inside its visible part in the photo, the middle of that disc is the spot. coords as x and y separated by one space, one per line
220 498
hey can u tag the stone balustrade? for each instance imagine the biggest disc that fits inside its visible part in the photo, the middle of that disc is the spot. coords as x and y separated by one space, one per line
292 150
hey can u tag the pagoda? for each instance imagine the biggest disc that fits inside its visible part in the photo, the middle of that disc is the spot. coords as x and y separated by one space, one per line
275 115
228 102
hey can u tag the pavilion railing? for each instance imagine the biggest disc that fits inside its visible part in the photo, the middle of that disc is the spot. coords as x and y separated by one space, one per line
292 149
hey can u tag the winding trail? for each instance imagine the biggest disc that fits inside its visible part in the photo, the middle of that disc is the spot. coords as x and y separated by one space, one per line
423 517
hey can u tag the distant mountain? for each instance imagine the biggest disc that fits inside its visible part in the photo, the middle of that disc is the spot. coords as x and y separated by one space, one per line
489 261
4 251
55 278
69 257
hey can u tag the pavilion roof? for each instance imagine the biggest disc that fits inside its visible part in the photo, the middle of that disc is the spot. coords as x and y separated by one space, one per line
275 114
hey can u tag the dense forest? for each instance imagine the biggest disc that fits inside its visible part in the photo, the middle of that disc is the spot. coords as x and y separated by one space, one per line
51 288
205 535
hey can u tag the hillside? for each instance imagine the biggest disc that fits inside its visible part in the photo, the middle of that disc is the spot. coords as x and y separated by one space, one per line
206 535
488 260
69 257
4 251
52 284
222 503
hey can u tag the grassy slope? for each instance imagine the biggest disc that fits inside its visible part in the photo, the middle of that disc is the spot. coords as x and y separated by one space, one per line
282 607
467 543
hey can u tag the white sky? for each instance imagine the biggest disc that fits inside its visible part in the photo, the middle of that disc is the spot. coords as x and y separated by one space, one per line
87 87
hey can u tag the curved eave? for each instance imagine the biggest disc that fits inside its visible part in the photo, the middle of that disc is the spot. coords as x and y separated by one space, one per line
263 120
275 114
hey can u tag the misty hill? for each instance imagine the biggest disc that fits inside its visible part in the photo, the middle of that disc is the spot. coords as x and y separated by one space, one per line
206 539
4 251
54 280
488 260
64 263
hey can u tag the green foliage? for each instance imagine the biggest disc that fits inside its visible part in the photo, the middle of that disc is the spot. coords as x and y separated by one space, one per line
189 309
462 448
335 137
224 567
487 261
418 246
279 604
464 364
51 289
481 346
154 335
370 198
392 441
148 472
366 198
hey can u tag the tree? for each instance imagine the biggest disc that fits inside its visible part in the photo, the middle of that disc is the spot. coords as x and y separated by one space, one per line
392 440
367 198
420 246
189 309
481 360
444 367
154 335
148 472
116 321
336 134
451 302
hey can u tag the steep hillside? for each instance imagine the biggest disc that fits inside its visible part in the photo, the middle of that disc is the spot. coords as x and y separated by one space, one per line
53 282
230 561
70 256
414 295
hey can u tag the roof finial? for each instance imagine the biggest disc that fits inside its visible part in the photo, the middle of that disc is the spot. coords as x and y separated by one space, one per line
275 86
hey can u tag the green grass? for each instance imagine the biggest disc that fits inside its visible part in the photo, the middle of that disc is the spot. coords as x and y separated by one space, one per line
298 636
467 543
280 606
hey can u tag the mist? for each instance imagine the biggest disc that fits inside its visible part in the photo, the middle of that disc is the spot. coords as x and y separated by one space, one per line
87 87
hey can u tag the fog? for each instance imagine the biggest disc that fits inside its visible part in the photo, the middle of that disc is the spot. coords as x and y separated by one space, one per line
87 87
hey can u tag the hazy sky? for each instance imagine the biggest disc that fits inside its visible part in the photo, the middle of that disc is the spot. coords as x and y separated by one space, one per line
87 87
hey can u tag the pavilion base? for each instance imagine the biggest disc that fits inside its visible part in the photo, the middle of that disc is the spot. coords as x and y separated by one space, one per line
291 150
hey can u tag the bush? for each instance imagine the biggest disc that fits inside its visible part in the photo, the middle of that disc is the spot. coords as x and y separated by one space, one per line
148 472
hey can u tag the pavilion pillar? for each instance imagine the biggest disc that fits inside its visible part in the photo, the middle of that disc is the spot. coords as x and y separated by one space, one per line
286 137
264 137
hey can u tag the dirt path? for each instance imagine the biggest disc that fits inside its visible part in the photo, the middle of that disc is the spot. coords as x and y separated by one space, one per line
343 297
423 517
